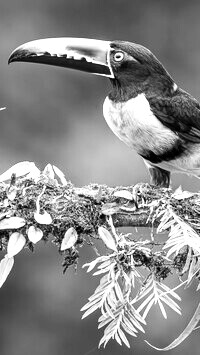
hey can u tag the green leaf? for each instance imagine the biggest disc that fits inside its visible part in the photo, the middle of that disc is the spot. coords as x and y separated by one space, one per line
15 244
119 292
123 338
48 171
107 238
43 218
34 234
12 223
6 265
61 175
93 263
90 310
11 193
70 238
20 169
128 330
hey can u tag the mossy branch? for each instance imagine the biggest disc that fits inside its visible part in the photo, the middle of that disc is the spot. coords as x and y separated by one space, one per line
89 207
37 196
38 205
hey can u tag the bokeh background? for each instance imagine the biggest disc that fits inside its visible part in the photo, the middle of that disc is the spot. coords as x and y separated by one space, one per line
55 115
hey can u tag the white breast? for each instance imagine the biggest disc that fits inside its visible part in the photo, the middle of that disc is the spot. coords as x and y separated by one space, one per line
135 124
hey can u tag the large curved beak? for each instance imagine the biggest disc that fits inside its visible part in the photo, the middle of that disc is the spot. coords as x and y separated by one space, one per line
89 55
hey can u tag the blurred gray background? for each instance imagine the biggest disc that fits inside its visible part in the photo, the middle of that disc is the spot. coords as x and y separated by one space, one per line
55 115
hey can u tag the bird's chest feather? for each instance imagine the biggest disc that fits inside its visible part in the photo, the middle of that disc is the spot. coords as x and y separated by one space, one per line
135 124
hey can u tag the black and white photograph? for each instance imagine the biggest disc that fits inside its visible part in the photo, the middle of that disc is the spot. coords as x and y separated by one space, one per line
99 177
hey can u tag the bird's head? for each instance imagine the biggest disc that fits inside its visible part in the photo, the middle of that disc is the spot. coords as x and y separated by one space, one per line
131 67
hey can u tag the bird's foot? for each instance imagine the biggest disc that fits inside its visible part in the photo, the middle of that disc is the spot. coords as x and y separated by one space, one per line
159 177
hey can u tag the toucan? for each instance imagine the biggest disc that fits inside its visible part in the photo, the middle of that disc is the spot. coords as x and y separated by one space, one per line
145 108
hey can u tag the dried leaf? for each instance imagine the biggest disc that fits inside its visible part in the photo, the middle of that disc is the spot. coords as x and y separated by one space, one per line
123 194
12 223
108 209
15 244
34 234
44 218
178 191
6 265
187 331
11 193
48 171
107 238
82 191
179 194
19 169
6 202
70 238
61 175
5 214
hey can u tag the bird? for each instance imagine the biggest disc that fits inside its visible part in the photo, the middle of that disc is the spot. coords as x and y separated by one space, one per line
145 108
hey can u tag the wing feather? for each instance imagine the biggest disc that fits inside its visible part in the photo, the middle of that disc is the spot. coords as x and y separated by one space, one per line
180 113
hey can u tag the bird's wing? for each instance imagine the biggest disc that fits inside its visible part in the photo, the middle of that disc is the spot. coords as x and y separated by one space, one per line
180 113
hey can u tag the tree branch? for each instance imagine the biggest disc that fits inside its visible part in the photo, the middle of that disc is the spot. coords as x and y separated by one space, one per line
38 205
88 207
50 205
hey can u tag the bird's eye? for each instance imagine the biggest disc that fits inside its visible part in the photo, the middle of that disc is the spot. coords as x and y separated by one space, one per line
118 56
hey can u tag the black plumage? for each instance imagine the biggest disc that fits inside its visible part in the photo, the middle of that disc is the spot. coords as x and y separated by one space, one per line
174 108
180 113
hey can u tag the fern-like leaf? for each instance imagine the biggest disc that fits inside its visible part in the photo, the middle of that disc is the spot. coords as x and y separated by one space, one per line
181 234
126 317
157 293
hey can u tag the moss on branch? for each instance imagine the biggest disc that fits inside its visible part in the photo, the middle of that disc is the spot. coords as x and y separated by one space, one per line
85 209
